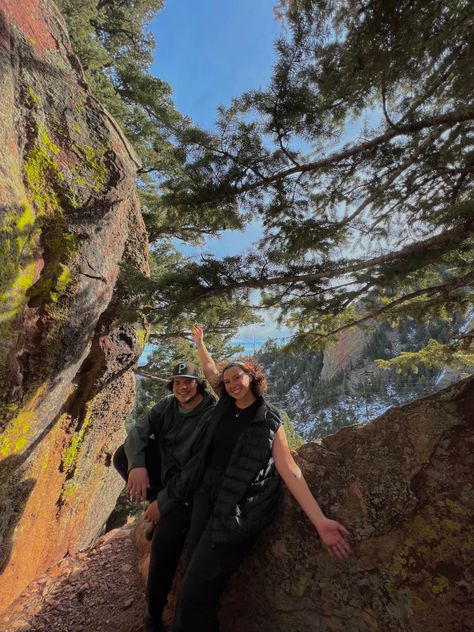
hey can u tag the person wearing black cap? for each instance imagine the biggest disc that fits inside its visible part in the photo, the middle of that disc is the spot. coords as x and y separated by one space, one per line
152 461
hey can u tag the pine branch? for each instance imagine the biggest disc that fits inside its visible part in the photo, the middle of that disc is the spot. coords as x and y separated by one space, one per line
395 174
108 30
450 118
455 235
445 288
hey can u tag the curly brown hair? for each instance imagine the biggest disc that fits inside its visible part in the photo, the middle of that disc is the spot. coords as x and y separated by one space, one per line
258 383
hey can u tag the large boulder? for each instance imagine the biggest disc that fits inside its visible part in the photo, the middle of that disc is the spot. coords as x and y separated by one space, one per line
69 217
403 485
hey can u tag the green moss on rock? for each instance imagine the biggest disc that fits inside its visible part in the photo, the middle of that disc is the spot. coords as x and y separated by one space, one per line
39 222
141 336
16 436
16 235
433 536
439 585
73 452
69 490
93 161
42 173
61 248
302 586
49 192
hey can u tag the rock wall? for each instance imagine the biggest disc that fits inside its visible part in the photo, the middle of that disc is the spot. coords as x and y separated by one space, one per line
348 349
69 217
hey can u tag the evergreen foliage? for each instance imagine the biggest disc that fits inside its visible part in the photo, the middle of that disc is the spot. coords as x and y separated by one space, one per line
435 355
115 48
378 227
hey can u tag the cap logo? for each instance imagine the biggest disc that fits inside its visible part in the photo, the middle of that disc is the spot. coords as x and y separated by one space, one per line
184 369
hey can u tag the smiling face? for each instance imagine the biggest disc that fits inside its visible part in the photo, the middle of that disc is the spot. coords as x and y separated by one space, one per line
237 384
185 391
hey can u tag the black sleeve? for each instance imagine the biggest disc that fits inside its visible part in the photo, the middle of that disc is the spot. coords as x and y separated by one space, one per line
139 434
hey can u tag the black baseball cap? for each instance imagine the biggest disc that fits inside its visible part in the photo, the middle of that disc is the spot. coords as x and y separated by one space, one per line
186 369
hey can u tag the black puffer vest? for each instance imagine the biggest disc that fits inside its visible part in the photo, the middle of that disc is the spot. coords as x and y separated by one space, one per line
247 500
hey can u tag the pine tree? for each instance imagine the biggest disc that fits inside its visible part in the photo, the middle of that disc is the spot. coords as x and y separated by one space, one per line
112 41
378 227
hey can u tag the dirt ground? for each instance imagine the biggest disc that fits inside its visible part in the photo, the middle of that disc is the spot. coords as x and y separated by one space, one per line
94 590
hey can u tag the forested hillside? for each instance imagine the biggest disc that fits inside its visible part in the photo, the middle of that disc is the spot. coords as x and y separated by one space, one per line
319 403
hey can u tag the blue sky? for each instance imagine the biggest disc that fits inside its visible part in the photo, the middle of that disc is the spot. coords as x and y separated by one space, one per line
210 51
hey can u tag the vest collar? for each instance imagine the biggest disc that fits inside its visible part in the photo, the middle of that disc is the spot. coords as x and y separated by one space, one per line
261 411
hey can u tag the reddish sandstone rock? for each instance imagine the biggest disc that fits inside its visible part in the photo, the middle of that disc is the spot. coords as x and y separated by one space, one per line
69 216
403 486
96 589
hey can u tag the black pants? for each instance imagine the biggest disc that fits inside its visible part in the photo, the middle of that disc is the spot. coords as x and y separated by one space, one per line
168 537
210 566
166 548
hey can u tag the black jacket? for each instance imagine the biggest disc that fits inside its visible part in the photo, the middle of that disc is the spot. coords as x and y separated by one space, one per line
179 436
247 500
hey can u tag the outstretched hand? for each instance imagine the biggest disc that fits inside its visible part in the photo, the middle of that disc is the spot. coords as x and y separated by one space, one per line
332 534
198 334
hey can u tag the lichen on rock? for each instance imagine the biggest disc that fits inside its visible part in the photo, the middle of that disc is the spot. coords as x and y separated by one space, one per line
69 218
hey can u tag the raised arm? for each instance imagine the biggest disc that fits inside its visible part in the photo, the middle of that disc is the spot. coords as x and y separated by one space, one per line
207 363
331 532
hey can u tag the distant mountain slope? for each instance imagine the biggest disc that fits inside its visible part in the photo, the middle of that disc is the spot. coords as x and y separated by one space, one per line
325 392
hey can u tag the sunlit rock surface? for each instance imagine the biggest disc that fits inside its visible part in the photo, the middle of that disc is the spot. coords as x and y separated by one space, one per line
69 216
348 350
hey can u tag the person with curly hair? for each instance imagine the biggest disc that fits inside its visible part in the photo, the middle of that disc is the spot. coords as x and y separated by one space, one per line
235 481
